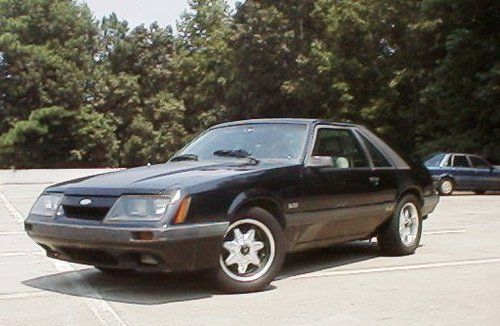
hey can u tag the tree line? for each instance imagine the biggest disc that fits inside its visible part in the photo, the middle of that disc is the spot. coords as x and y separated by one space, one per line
78 91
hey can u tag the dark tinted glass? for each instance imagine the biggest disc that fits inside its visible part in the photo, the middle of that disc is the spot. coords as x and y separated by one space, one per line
342 146
448 161
282 142
378 158
461 161
478 162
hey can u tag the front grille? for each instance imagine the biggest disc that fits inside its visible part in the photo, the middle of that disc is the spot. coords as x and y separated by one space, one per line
85 213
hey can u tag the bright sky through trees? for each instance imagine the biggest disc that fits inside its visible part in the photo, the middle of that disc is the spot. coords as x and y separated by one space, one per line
136 12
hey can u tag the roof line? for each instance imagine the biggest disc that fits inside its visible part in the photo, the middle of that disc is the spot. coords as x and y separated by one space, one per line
284 121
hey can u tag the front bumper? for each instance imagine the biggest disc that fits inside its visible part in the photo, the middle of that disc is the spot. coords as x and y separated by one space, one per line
184 247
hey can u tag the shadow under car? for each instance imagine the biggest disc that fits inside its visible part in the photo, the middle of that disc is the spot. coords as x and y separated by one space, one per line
161 288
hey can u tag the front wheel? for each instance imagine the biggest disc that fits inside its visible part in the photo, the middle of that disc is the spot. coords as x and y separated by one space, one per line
252 253
401 236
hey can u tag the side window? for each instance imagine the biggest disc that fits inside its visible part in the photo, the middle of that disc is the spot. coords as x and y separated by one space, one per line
378 158
478 162
460 161
342 146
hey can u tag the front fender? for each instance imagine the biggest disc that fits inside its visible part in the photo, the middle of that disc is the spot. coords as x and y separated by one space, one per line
257 196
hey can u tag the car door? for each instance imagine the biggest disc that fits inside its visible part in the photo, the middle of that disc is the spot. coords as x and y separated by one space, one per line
339 198
463 173
486 177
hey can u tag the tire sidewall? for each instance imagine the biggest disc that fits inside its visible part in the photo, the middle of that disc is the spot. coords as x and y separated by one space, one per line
441 184
405 200
389 238
227 284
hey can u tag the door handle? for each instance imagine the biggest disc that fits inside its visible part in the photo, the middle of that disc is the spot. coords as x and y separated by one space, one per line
375 180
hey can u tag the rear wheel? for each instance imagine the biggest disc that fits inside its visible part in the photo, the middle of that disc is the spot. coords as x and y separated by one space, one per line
446 186
401 236
252 252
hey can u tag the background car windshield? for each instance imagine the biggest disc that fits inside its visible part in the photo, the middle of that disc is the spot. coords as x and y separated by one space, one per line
434 160
263 141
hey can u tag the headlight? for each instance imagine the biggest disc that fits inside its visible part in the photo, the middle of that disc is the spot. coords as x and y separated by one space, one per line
141 207
47 205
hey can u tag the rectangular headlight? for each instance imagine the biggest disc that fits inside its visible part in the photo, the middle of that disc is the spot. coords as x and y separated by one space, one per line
139 208
47 205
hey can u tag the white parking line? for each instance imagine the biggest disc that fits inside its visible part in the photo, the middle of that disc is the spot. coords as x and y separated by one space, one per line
101 309
451 231
24 295
12 210
12 233
16 254
400 268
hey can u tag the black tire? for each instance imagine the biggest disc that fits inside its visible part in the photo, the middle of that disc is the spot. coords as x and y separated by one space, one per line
390 239
480 192
446 186
225 282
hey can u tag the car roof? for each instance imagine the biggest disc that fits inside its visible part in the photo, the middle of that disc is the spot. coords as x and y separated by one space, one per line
467 154
284 121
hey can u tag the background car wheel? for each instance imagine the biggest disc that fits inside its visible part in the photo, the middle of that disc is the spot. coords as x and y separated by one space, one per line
401 236
479 192
446 186
252 252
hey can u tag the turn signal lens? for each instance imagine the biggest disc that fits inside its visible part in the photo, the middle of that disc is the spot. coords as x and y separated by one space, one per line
181 215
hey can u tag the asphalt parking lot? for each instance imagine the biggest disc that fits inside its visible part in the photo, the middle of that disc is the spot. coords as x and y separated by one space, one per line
453 279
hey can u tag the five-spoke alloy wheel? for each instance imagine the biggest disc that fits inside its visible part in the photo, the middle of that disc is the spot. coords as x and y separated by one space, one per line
401 235
409 224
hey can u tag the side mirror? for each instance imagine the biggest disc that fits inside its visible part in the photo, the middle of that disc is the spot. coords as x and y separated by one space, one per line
319 161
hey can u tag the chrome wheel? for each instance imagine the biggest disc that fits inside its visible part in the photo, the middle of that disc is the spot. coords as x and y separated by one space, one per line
446 187
408 224
248 250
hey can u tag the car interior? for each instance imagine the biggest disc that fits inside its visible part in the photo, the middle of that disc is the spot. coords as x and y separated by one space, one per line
342 146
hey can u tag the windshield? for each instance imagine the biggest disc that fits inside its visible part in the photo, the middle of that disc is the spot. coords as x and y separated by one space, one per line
274 142
434 160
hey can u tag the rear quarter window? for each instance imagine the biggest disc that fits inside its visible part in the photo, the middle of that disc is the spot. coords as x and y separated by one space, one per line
378 158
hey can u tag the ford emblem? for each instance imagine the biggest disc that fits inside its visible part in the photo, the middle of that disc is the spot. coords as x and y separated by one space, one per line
85 202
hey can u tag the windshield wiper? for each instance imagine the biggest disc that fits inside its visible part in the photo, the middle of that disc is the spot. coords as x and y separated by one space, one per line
184 157
238 153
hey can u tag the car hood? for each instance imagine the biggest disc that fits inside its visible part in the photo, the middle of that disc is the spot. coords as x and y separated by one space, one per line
154 179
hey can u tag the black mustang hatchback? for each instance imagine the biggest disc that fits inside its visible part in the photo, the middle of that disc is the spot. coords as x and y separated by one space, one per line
236 200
